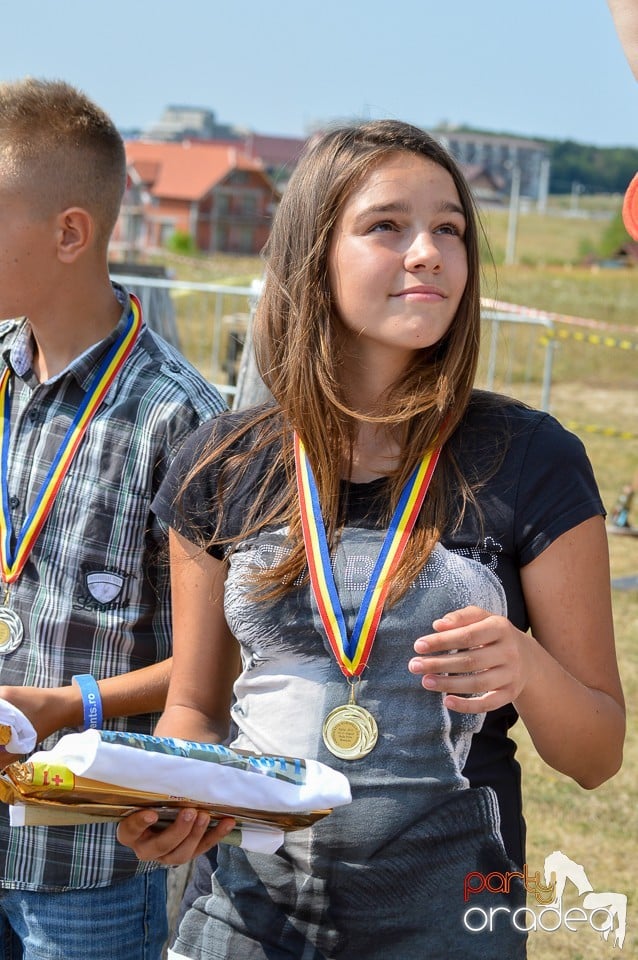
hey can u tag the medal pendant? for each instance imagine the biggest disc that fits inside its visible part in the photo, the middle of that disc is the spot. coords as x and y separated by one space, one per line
350 732
11 631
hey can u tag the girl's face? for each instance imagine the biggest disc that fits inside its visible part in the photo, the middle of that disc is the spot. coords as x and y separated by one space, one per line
397 261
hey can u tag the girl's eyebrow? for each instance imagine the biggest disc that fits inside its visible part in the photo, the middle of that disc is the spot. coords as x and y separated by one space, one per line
450 206
379 209
446 206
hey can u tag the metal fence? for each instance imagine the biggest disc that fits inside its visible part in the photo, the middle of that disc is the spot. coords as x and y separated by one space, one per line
208 323
517 356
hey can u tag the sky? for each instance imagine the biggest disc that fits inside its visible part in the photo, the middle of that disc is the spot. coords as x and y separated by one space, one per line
542 68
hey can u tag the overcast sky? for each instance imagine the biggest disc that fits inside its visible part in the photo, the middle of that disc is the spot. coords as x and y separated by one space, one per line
547 68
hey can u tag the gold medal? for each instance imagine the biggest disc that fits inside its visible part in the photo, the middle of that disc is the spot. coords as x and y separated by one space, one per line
350 732
11 631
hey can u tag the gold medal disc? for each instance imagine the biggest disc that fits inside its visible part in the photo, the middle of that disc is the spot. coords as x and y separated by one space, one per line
350 732
11 630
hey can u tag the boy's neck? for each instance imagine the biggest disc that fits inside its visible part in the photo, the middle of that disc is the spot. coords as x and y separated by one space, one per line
62 336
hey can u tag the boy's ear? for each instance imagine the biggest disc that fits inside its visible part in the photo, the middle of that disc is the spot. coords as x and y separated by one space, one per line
75 231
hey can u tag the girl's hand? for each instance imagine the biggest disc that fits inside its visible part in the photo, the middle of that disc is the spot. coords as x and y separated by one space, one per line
177 842
478 660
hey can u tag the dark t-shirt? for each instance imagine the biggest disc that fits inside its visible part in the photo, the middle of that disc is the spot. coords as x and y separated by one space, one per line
410 795
543 487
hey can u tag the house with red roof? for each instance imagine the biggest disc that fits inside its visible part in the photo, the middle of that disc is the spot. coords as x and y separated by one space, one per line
214 192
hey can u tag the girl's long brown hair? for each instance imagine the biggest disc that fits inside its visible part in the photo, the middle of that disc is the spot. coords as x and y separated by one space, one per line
296 344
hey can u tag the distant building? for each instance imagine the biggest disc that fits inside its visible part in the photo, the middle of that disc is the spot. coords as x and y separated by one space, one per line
486 188
212 192
278 155
499 155
189 123
219 184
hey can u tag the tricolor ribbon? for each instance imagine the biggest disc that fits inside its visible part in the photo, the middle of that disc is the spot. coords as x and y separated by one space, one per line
12 560
352 653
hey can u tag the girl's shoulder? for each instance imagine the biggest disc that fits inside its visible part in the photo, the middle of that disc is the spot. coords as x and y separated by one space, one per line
500 434
232 430
498 411
502 420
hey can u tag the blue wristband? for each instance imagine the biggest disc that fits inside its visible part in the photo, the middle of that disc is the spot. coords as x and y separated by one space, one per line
91 700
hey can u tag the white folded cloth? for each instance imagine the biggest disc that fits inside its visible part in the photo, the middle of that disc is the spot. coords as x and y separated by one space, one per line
211 773
23 736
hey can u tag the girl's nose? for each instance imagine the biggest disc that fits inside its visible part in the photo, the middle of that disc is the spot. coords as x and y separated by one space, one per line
423 253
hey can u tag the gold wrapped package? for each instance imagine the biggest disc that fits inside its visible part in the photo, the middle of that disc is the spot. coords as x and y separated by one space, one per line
98 776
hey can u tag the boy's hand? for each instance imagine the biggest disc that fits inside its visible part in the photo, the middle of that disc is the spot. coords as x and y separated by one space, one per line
7 758
48 708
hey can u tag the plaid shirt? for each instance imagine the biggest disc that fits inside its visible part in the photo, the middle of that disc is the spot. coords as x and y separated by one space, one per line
94 593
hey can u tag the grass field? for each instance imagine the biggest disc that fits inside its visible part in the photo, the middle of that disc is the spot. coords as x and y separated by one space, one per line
594 387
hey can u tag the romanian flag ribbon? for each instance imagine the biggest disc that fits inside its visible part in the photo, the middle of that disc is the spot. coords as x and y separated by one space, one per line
13 557
352 652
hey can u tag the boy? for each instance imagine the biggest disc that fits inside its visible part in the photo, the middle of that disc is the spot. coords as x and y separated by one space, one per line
92 407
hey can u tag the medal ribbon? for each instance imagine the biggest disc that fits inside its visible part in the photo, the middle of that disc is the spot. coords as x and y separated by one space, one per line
12 562
352 653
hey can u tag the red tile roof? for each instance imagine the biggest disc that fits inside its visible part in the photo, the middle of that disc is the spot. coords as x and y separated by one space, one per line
185 170
274 151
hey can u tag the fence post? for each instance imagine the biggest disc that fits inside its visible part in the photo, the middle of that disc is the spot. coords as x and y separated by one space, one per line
548 368
251 389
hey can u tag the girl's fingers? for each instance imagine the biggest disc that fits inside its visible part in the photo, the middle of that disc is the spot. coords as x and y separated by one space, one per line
460 618
479 704
470 627
470 684
173 843
462 662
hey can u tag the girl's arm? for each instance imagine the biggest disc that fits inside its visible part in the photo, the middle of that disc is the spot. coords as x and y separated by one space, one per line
206 659
562 677
572 703
206 663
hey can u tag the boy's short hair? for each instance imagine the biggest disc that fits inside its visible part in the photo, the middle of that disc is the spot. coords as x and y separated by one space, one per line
65 146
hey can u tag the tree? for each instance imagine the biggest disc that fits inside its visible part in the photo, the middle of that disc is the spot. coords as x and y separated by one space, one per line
181 242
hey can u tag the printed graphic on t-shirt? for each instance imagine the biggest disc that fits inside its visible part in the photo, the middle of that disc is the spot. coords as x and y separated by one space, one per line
288 660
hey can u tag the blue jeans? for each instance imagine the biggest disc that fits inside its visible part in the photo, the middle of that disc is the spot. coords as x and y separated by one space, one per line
126 921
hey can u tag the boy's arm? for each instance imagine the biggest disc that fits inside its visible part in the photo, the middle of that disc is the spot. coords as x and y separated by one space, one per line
51 708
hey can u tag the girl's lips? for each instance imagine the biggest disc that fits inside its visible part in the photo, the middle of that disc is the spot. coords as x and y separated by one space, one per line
421 293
